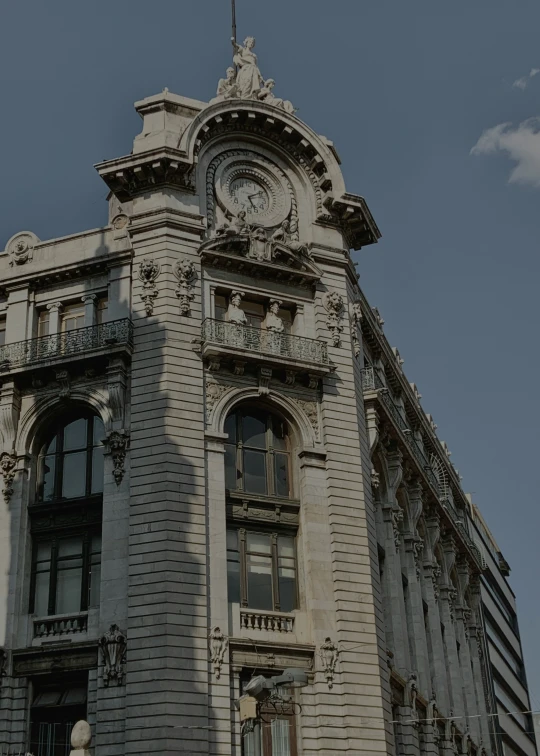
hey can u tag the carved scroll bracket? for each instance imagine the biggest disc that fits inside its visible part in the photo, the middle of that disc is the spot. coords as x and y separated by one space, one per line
8 465
113 645
185 272
117 443
333 304
148 273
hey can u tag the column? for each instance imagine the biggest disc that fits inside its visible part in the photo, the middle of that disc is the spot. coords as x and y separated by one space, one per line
89 301
55 310
414 546
448 595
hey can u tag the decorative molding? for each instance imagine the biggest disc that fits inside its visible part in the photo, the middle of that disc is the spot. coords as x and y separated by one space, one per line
356 322
311 411
218 643
8 464
20 248
10 409
213 393
148 273
329 653
185 272
113 645
397 518
333 304
375 479
63 378
265 374
117 386
117 443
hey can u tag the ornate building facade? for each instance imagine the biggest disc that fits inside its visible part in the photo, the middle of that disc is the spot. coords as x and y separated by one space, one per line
214 466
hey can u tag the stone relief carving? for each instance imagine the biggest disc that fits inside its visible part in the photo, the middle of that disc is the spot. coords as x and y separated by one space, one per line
311 412
120 225
287 234
148 273
411 691
431 710
20 248
273 322
375 479
333 304
356 320
218 643
329 656
64 380
245 81
435 575
117 443
397 518
418 550
214 392
265 374
8 463
185 272
113 645
378 318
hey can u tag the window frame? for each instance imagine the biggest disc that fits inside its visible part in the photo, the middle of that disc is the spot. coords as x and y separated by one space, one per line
243 554
270 451
86 535
60 456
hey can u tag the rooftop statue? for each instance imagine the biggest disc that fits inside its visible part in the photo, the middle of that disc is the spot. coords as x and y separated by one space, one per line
246 82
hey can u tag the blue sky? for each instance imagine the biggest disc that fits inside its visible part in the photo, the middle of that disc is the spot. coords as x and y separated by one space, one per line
405 90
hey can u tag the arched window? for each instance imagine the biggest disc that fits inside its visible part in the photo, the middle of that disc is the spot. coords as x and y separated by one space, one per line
70 463
257 458
66 561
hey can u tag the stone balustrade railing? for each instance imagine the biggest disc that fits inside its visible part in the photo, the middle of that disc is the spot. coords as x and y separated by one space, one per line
45 627
266 621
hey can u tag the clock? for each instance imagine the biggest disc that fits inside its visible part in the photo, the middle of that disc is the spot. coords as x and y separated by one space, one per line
246 182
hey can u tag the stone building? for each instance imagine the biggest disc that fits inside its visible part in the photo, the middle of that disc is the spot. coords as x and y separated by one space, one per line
214 466
509 696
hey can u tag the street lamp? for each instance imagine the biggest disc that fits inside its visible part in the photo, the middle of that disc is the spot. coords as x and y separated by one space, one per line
260 688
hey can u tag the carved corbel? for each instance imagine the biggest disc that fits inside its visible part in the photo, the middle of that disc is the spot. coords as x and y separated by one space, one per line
394 461
113 646
265 374
10 410
372 425
433 527
463 573
185 272
414 490
116 385
148 273
63 378
333 304
117 443
397 518
449 551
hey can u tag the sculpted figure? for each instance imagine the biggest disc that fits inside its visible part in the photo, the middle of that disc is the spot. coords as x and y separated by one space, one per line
287 234
234 313
227 87
240 224
272 321
266 94
257 247
249 79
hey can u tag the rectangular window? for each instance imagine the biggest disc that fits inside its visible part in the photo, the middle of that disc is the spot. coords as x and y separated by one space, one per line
43 323
101 310
55 709
66 574
2 331
261 570
274 733
72 317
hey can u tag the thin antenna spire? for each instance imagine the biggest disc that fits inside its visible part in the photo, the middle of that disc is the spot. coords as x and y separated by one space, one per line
233 9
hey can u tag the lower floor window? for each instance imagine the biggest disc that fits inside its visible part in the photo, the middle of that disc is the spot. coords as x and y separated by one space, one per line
261 570
66 574
274 733
54 711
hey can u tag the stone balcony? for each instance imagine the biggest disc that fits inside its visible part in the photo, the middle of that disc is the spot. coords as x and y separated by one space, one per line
104 339
224 342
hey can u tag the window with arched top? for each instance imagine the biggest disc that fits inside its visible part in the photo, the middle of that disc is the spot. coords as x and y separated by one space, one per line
65 518
440 473
262 518
257 453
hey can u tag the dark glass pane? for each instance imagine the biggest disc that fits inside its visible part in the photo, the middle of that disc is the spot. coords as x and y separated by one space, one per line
231 473
233 568
259 543
75 435
259 582
98 431
279 434
95 571
286 574
69 576
97 470
282 474
230 428
74 475
43 575
51 447
48 474
255 471
254 431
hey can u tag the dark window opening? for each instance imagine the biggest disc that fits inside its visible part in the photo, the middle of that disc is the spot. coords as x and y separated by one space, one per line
55 709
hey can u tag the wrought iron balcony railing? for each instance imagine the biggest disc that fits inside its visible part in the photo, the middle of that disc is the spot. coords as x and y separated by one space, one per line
80 341
280 345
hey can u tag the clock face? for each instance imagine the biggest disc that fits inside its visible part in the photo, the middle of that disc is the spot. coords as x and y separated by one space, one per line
249 195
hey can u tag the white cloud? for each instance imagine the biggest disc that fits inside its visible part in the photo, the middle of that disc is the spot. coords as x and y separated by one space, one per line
523 82
522 145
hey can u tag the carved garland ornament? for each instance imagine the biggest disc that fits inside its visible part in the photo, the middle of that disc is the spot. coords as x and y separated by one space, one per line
218 643
333 304
8 463
214 392
312 414
185 272
356 320
117 443
113 647
148 272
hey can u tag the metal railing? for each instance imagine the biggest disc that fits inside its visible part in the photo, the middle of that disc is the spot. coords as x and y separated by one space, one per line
60 626
265 342
57 345
277 623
